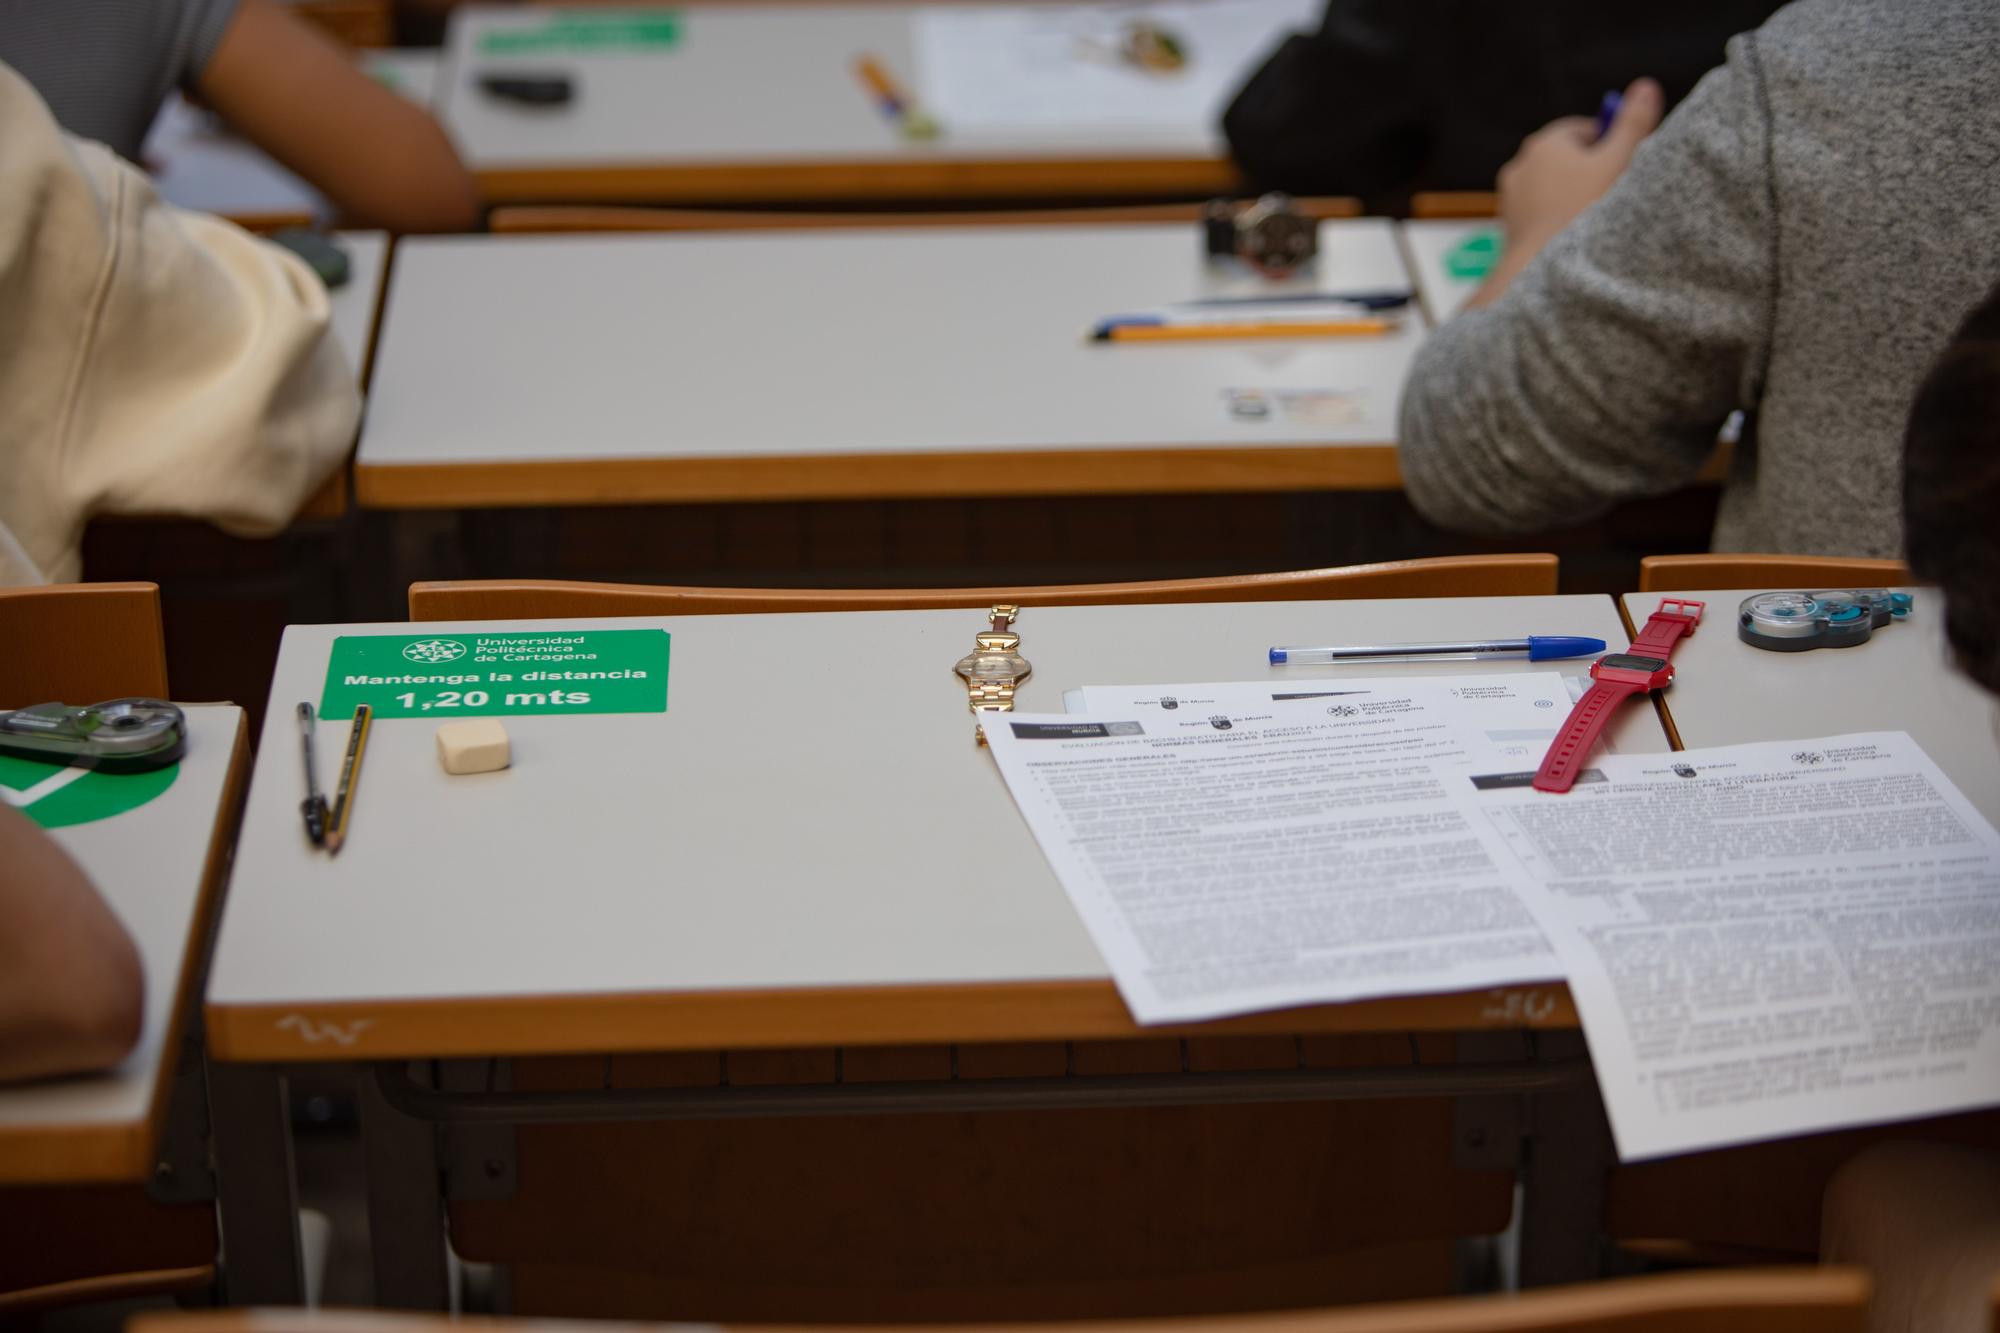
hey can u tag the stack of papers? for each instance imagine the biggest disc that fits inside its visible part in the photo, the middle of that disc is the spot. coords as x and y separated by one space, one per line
1058 69
1762 940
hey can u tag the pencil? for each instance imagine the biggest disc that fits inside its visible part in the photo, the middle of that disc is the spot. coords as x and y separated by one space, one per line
894 102
350 777
882 87
1340 328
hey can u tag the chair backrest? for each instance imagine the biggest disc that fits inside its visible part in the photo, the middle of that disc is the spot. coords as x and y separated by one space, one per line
1776 1300
81 643
528 599
554 218
1684 573
1454 204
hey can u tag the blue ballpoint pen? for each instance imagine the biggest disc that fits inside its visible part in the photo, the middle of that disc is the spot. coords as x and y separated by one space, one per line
1536 648
1607 111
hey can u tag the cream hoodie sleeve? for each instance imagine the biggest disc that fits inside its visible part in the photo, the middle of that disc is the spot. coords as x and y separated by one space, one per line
151 360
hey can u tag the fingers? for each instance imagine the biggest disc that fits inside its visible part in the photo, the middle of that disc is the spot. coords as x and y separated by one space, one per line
1638 116
1580 130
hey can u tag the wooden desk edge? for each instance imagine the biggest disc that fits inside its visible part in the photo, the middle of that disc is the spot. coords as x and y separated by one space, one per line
860 178
593 481
123 1151
821 1016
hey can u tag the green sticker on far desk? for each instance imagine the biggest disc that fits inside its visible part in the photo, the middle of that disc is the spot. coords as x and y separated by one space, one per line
501 674
633 30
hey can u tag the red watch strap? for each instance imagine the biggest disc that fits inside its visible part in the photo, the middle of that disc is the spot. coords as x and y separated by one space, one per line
1665 627
1573 743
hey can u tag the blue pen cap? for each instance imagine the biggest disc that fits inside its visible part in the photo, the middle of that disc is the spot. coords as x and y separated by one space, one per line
1543 647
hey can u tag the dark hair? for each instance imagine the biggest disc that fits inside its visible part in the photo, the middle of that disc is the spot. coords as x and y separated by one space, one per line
1951 489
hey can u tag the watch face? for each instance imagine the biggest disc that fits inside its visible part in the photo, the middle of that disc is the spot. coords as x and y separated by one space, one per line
992 666
1282 239
1652 666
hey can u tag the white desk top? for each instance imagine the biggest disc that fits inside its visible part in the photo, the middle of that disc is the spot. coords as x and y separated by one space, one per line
1430 243
742 85
1725 692
761 350
356 300
153 866
743 869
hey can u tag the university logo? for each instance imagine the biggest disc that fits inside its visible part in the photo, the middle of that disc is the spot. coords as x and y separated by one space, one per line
431 652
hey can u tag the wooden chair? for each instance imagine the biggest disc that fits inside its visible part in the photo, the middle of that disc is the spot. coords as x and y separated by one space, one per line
528 599
1779 1300
1037 1214
81 643
1686 573
556 218
1454 204
76 1244
352 23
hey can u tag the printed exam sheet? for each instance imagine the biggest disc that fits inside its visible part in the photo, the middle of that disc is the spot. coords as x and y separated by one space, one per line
1770 939
1506 718
1273 856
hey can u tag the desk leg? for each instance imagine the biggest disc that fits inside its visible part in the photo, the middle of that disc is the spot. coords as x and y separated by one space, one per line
1569 1160
405 1204
256 1188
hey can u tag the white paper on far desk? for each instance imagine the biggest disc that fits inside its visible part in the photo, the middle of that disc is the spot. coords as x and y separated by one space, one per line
1511 716
1771 939
1284 858
1053 69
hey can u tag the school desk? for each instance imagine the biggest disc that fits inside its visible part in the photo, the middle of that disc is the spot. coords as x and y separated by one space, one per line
721 875
1450 258
1726 692
159 863
356 305
761 103
867 364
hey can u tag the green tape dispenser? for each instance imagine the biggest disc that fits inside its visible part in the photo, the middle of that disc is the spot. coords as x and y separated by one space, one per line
1794 622
117 736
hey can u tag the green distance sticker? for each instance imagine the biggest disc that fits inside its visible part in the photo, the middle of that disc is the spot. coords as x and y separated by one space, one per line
57 797
637 30
1474 257
510 673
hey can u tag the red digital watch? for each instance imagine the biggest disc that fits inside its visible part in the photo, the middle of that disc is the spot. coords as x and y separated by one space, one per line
1614 678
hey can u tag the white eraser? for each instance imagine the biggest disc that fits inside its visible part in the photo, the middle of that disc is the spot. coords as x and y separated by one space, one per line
475 745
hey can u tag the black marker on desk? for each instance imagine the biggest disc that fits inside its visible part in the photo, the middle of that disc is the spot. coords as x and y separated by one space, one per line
313 807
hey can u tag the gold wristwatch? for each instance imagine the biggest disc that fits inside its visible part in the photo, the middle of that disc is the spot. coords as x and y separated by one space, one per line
994 668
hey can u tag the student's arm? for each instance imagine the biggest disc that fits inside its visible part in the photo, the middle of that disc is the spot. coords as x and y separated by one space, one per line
72 991
151 361
1604 371
296 95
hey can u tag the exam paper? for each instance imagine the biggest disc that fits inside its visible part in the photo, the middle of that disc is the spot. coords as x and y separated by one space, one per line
1264 856
1055 69
1511 717
1770 939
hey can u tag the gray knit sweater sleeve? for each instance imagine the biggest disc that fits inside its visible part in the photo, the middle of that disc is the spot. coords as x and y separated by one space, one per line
1607 367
